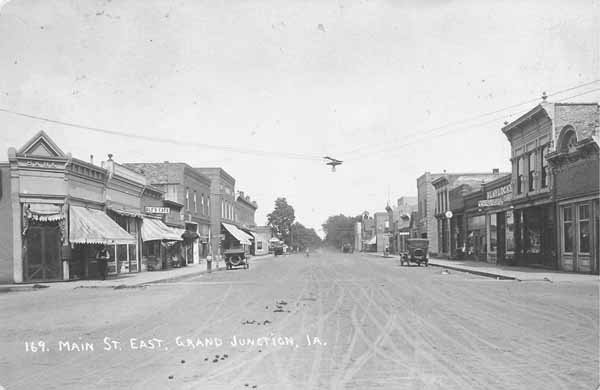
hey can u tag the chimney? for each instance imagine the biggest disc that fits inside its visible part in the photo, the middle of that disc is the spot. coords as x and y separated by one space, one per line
110 156
92 159
496 171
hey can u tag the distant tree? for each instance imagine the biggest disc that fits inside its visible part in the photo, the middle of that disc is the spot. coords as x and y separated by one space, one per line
303 237
339 229
281 219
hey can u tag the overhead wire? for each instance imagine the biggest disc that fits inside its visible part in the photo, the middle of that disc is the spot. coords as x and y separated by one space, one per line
385 147
164 140
364 148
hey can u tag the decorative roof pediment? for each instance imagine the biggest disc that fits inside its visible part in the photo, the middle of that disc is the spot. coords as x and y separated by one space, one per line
41 145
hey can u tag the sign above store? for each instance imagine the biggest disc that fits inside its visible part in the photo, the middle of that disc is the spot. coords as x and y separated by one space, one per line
490 202
500 191
157 210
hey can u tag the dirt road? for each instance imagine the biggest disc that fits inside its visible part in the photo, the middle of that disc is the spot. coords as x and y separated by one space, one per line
330 321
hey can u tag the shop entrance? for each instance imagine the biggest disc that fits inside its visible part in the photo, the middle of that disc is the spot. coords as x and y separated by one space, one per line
42 253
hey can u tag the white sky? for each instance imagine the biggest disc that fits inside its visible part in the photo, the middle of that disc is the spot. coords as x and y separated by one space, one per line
316 78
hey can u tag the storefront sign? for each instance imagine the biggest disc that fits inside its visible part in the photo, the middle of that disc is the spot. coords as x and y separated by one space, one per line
500 191
157 210
490 202
404 234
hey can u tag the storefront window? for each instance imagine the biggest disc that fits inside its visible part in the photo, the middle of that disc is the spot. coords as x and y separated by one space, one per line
584 228
476 242
510 232
568 229
493 233
532 229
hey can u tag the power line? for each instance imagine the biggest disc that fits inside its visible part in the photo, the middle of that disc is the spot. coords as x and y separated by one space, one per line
469 119
388 147
164 140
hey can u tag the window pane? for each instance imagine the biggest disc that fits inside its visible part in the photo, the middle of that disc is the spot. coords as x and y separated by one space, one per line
568 214
568 236
584 211
584 237
132 252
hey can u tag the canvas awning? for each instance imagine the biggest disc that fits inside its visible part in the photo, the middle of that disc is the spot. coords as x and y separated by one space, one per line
155 229
89 226
126 212
237 233
43 212
248 233
372 241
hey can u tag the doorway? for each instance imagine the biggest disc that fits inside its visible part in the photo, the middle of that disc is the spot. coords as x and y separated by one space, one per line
42 253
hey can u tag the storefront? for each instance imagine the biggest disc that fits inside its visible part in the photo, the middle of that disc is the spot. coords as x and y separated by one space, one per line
233 237
89 230
576 171
475 245
160 244
127 258
498 220
43 238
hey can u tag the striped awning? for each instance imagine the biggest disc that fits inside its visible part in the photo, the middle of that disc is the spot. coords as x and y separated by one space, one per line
126 212
237 233
372 241
43 212
89 226
155 229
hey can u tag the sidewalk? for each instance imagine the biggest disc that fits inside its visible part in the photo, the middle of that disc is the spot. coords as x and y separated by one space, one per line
506 272
126 280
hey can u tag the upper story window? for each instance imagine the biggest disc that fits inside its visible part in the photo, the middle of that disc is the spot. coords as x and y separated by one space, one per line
531 173
195 203
520 177
222 209
544 165
202 203
187 198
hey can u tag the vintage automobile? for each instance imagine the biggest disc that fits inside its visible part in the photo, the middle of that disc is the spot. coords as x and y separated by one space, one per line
417 252
347 248
236 257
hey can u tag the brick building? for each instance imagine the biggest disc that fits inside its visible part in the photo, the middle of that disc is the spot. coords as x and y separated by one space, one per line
534 136
575 170
245 211
187 194
222 203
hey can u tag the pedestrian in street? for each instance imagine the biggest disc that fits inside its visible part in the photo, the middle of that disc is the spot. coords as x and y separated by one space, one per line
307 252
102 258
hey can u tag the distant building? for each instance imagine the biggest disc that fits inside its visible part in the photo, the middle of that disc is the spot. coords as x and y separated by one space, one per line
426 225
381 231
262 236
223 205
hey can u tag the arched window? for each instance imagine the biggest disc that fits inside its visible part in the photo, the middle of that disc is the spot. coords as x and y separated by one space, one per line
567 140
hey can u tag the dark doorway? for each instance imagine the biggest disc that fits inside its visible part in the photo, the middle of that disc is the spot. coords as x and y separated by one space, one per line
42 254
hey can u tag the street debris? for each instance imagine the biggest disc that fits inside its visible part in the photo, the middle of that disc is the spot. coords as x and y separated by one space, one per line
182 361
445 272
170 376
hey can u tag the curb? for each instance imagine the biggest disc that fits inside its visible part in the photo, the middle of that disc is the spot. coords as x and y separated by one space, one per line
5 289
479 273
